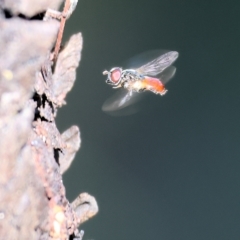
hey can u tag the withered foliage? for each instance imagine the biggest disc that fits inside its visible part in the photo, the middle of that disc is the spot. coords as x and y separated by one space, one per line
33 153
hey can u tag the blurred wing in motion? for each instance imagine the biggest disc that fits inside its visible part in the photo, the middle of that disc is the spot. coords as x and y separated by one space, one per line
167 74
121 99
158 65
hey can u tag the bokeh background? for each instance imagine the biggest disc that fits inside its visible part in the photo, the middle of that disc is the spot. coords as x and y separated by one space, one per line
171 171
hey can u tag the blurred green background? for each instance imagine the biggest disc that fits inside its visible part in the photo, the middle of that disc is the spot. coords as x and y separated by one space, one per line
171 171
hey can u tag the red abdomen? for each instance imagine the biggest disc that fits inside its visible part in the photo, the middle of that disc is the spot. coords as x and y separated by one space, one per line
154 85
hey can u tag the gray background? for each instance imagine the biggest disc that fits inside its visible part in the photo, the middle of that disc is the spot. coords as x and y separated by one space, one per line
170 171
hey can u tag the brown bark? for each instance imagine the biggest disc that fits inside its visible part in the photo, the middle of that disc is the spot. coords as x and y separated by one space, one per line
33 153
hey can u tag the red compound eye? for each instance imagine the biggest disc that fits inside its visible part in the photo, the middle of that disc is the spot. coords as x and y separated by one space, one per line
115 75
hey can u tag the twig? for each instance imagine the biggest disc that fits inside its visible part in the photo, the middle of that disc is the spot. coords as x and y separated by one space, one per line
61 28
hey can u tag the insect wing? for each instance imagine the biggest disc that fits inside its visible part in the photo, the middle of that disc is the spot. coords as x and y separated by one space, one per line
143 58
121 99
158 65
167 74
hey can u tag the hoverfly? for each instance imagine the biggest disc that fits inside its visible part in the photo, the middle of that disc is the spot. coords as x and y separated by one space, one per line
151 76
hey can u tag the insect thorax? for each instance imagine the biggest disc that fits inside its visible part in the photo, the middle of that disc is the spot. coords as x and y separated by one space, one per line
130 75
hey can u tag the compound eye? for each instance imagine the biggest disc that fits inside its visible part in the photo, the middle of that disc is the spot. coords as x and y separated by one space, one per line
116 75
